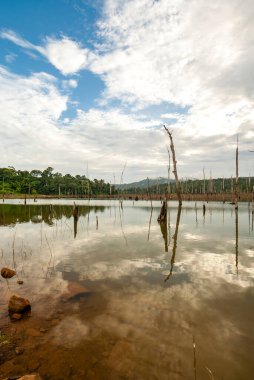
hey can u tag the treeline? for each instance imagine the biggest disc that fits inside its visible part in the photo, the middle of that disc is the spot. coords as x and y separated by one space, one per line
48 182
195 186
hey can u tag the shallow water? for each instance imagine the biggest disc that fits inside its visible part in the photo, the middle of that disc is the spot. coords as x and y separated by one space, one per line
117 296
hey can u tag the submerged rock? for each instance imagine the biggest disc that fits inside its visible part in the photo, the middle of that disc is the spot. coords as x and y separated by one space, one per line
16 316
7 273
18 305
34 376
75 291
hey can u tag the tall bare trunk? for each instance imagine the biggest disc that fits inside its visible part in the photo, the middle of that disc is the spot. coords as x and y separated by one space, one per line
236 177
169 190
178 189
204 180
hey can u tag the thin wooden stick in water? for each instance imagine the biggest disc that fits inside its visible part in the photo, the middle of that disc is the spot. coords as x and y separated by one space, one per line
210 373
194 357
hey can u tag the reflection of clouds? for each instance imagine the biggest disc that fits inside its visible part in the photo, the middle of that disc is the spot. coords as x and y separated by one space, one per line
69 332
106 270
190 236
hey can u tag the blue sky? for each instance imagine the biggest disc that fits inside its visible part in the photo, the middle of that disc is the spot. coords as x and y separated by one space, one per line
92 82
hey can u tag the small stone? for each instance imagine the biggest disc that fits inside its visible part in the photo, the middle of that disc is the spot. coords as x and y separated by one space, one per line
13 331
42 330
33 365
54 322
94 360
7 273
19 350
33 332
20 282
18 304
16 316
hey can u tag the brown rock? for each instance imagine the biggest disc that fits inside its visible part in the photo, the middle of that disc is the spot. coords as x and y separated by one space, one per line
7 273
20 282
16 316
74 289
18 305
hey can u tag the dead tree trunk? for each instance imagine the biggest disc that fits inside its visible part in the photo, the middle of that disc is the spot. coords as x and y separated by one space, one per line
178 188
236 177
169 189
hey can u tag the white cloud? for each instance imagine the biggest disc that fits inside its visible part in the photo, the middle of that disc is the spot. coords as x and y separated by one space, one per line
29 110
32 133
16 39
191 54
9 58
188 53
68 56
71 83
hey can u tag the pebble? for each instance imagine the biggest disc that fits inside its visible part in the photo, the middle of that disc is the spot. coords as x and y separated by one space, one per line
19 350
20 282
42 330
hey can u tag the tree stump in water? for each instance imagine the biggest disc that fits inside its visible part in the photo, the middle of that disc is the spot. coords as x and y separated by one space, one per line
162 218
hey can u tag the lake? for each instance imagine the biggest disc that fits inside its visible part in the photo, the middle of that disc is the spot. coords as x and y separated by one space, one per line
115 295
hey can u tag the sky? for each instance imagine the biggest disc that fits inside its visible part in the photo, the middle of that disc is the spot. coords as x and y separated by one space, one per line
87 85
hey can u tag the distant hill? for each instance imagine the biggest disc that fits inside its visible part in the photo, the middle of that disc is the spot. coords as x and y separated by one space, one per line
143 183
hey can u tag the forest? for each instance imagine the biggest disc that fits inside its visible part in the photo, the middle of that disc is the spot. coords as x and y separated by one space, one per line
49 182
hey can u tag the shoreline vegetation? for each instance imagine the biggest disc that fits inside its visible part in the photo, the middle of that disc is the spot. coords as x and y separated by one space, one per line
212 197
47 184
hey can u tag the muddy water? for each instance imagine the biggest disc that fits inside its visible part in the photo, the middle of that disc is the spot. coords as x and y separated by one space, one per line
117 296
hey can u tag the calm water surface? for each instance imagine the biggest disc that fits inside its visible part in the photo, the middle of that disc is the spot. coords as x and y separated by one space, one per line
117 296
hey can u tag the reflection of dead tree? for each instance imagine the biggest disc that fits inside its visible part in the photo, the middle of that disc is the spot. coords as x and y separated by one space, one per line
121 205
175 241
162 218
178 189
236 240
75 219
164 231
151 214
